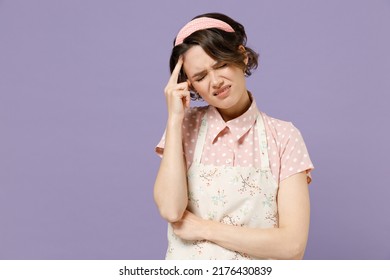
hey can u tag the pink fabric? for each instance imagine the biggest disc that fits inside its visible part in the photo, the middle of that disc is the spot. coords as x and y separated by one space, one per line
235 143
200 24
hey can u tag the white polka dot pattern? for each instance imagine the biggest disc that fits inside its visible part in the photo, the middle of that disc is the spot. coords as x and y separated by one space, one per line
234 143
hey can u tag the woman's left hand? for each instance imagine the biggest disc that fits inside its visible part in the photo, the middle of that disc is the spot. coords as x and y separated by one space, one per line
190 227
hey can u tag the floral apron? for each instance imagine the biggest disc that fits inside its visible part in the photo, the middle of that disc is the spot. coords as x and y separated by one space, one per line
233 195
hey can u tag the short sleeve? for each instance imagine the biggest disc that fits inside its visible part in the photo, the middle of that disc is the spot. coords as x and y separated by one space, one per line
190 127
294 155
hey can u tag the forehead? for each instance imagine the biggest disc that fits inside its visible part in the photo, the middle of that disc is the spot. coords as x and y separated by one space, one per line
196 59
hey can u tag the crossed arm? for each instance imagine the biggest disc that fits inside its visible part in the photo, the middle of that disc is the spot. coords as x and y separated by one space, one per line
288 241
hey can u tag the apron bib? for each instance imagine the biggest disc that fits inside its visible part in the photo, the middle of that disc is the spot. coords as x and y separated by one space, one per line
233 195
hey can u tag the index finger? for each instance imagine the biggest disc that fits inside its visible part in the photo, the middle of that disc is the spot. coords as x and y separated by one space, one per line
176 71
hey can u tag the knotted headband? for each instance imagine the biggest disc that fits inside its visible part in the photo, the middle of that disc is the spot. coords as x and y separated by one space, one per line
200 24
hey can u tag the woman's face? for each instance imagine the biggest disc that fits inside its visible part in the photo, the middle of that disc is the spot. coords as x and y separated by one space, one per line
219 84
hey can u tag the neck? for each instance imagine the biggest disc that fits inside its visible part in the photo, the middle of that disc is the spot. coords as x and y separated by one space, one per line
237 110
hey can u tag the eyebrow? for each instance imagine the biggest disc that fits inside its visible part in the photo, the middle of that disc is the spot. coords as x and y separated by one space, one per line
199 74
203 72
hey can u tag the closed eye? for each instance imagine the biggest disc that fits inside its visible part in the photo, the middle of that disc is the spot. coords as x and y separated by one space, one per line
217 66
221 66
200 79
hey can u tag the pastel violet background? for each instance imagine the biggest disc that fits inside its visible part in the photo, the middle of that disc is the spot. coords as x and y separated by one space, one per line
82 107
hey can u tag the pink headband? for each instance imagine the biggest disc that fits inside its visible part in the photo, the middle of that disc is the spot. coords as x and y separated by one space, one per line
200 24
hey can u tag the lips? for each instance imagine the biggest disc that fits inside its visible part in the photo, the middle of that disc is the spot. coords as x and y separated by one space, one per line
221 90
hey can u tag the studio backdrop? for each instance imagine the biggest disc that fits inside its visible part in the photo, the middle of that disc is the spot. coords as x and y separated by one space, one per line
82 108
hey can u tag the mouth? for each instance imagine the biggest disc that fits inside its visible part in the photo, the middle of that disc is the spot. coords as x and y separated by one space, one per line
222 90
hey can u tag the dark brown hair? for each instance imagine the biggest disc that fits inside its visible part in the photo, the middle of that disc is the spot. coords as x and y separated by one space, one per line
219 45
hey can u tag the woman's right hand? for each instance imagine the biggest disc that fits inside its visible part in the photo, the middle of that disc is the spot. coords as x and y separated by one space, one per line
170 188
177 94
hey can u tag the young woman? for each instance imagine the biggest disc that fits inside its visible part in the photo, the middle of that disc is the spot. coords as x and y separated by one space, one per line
233 182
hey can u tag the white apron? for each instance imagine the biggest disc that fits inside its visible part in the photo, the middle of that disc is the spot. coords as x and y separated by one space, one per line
239 196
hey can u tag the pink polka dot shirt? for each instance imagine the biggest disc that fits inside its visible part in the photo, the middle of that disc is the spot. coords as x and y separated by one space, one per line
235 142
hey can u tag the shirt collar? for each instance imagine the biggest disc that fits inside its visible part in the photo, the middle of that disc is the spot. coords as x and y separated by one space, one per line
238 126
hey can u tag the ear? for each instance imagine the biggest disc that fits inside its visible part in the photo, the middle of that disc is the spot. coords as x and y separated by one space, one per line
242 49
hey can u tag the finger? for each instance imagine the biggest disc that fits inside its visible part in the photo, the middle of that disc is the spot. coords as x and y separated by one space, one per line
181 86
187 100
176 71
177 87
176 225
186 104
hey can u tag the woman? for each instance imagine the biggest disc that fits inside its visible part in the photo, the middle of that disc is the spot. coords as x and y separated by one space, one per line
233 182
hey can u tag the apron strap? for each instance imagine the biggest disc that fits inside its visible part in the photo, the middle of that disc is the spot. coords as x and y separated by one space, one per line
201 140
264 159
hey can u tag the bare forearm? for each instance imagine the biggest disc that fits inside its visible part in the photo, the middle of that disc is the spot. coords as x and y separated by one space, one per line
288 241
272 243
170 190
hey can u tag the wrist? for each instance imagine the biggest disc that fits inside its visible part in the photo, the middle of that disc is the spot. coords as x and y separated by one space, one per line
174 121
208 230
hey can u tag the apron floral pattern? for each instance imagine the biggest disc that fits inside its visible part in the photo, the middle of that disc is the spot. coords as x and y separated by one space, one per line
233 195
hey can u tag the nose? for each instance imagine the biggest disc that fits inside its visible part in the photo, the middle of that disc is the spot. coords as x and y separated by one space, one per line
216 80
